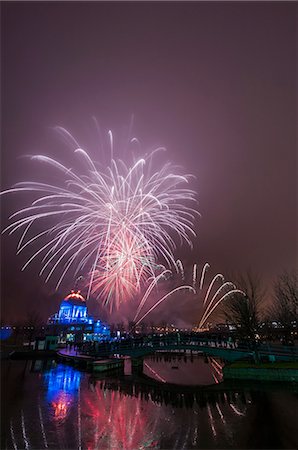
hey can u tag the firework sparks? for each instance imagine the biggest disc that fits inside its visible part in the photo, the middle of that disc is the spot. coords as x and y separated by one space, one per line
120 225
200 291
223 289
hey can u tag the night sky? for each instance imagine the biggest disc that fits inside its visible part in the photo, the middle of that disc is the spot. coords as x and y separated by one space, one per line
214 83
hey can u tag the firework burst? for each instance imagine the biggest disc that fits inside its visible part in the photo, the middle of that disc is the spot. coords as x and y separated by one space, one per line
119 224
209 293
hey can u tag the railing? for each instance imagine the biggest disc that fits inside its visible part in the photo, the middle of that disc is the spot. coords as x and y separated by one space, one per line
143 346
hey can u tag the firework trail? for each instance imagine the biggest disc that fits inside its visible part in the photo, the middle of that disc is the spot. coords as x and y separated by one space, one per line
201 290
116 224
224 290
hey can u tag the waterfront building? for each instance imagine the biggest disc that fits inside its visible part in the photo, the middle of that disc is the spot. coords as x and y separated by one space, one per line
74 324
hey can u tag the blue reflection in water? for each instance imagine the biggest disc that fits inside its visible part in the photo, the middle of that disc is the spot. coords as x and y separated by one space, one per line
62 378
62 384
62 408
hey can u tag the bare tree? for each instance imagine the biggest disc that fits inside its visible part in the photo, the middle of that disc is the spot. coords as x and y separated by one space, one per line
285 307
120 327
33 323
245 311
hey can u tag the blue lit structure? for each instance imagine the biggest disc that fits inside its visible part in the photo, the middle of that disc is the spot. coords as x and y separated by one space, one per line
73 322
5 333
73 309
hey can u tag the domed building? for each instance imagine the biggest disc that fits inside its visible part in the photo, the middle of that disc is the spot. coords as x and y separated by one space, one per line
73 308
72 322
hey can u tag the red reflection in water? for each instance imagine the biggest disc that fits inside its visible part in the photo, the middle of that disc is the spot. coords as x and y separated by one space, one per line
116 421
60 409
61 406
183 370
216 370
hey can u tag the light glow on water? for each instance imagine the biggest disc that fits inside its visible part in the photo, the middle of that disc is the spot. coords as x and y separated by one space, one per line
62 407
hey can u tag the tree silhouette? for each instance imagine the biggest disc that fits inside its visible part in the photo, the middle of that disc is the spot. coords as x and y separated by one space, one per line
285 306
245 311
33 324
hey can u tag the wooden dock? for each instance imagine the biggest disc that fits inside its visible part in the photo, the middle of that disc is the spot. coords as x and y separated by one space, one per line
89 362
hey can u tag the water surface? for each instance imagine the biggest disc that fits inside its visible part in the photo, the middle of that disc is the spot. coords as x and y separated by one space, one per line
56 406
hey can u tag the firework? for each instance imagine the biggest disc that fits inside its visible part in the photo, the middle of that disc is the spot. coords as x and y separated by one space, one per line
209 294
119 225
123 268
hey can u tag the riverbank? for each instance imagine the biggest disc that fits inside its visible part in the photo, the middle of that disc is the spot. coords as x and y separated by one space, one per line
277 371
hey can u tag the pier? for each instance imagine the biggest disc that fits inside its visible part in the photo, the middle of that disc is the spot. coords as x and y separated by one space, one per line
91 362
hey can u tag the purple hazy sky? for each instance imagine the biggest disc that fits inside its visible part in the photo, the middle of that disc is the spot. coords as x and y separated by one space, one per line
213 82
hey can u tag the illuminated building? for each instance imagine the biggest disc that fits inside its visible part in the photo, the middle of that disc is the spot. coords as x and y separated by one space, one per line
73 323
73 309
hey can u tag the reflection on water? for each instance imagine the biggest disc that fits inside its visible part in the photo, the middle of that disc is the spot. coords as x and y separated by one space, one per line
50 405
183 369
62 384
118 421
